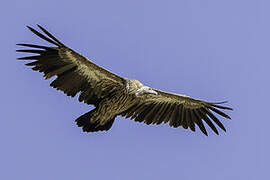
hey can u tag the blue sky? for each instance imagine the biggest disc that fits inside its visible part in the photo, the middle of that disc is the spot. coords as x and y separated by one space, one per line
213 50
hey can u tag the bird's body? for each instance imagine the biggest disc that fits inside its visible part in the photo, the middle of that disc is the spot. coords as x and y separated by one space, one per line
116 103
113 95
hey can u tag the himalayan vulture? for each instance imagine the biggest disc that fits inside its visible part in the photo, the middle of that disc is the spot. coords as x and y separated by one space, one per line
113 95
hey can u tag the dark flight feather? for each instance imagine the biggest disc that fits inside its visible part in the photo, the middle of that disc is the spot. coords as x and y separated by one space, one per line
42 36
51 36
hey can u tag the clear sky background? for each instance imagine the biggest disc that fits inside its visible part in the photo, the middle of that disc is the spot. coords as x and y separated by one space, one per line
210 49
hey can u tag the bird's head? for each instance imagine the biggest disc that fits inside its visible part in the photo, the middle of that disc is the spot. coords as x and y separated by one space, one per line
137 88
145 90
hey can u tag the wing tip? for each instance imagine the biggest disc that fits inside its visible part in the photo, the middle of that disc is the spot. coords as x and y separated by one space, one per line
30 28
39 26
49 38
221 102
216 104
60 44
205 133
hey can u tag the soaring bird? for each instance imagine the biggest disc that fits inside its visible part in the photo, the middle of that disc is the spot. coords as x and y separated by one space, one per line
113 95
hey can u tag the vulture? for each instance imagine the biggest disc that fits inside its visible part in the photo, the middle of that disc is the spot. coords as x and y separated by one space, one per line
113 95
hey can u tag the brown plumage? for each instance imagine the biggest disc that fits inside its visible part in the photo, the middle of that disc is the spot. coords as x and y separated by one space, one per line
113 95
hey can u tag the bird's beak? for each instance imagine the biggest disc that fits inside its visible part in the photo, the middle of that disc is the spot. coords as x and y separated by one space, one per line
151 91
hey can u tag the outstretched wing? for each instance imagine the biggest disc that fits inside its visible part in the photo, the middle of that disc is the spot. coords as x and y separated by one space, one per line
74 72
178 110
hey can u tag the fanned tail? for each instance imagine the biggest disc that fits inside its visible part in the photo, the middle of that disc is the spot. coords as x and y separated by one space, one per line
84 121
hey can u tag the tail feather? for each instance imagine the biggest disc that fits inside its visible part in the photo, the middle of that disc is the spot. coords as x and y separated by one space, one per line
84 121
